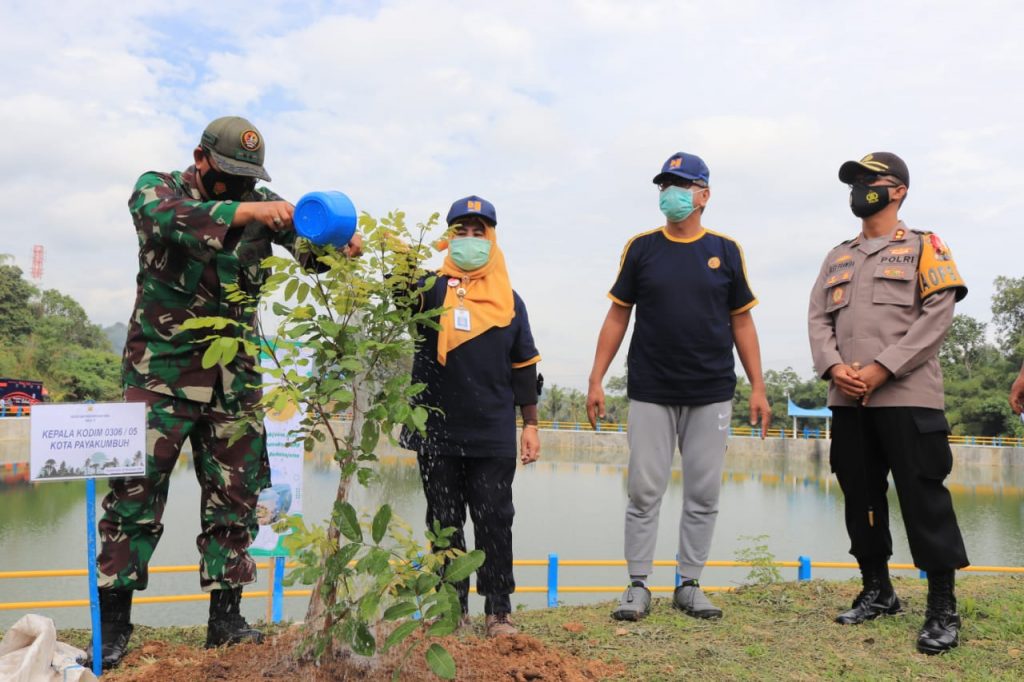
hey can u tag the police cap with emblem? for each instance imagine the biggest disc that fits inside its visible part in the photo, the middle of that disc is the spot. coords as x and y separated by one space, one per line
472 206
236 147
876 163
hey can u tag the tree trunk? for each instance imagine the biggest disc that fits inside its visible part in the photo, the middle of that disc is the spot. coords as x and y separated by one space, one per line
316 612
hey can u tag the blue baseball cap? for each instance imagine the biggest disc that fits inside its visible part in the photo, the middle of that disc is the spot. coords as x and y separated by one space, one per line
683 165
472 205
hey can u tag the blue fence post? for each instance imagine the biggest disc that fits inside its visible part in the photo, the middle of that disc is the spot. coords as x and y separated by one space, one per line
678 579
94 593
804 571
552 581
277 600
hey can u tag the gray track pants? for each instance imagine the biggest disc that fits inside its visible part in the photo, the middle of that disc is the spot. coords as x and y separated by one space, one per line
654 431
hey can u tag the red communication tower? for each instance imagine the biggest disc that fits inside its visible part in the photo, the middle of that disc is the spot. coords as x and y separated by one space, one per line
37 261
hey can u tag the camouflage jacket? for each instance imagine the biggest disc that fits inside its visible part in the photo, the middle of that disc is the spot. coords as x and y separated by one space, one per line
188 252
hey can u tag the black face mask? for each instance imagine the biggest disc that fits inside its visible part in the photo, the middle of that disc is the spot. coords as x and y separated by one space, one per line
224 186
867 201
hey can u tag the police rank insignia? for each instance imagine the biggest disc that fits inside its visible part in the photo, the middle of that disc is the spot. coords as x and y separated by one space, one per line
250 140
899 235
714 262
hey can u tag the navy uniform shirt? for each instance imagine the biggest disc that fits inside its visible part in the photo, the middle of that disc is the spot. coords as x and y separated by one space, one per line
685 293
473 389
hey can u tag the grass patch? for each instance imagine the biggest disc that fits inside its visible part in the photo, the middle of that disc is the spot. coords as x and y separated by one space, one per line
785 631
778 631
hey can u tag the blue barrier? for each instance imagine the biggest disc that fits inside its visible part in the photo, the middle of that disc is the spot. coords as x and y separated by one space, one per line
552 581
803 567
804 572
277 600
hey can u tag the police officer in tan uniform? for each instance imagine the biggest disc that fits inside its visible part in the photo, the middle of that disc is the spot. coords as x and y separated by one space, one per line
879 311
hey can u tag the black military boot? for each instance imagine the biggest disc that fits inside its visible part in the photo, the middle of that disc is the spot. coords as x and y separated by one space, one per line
226 624
115 627
941 629
877 598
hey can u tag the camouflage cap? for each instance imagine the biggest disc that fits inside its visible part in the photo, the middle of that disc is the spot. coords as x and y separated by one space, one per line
236 146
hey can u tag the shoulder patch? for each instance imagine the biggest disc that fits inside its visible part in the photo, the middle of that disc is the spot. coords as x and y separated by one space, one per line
937 270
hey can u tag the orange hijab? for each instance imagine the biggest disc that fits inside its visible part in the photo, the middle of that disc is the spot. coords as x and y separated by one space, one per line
488 298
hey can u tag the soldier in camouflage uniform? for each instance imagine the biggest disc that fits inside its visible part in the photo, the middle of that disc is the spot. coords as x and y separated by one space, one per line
199 231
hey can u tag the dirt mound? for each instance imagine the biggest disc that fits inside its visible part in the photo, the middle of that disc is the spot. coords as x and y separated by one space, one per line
520 658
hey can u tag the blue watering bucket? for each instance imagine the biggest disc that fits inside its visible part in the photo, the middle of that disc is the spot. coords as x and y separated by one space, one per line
325 218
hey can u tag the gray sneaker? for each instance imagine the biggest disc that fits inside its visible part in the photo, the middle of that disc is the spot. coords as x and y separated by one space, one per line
635 603
690 599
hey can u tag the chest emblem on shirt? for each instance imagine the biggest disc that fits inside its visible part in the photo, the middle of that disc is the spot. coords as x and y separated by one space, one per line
714 262
900 251
837 295
894 272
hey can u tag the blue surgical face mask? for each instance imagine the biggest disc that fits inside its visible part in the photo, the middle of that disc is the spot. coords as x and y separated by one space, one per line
470 253
676 203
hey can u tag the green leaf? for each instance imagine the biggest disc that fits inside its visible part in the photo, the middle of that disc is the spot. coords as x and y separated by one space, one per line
363 641
229 349
348 521
212 356
441 662
426 582
368 605
463 566
380 523
346 554
419 418
445 626
374 563
289 290
400 610
400 633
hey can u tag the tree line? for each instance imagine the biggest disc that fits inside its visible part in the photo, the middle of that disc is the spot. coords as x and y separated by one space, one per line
979 362
47 336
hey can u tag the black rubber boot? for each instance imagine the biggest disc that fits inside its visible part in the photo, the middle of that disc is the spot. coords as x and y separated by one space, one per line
115 627
876 598
226 625
941 629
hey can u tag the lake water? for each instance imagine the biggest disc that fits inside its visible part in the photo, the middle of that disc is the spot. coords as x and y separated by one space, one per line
573 508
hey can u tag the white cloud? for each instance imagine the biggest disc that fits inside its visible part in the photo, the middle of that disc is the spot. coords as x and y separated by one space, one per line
561 113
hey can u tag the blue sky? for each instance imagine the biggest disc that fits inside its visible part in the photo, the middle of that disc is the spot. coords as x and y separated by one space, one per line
560 113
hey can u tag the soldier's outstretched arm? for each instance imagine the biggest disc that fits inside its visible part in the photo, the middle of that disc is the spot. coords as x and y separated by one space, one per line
160 210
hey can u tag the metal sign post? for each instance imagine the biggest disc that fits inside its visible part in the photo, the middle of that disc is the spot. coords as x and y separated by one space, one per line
94 592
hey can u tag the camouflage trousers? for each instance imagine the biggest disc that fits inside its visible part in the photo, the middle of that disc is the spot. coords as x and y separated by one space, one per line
231 477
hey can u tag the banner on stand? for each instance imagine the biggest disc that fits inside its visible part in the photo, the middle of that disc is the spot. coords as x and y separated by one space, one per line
284 496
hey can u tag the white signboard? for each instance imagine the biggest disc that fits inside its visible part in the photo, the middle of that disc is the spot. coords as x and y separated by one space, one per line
87 440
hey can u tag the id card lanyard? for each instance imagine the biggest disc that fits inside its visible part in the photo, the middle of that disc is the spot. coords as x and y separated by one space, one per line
461 314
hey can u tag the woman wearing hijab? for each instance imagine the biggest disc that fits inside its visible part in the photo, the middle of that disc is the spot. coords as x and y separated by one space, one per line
477 368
